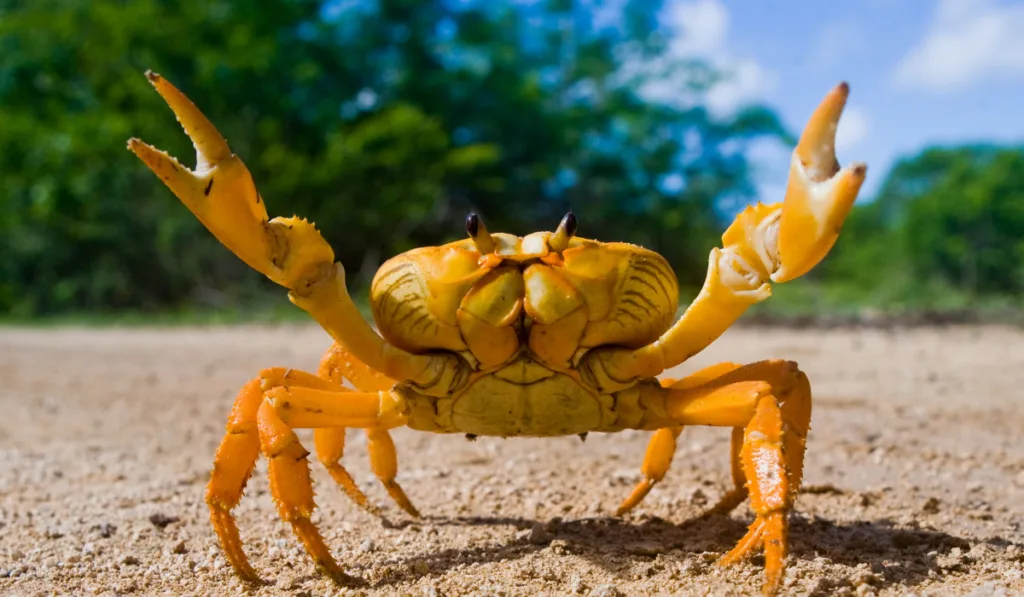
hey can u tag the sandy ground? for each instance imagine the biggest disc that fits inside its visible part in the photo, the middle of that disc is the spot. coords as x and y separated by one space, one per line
914 483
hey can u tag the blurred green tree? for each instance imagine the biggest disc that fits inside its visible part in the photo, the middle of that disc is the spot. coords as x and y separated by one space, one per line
384 121
949 219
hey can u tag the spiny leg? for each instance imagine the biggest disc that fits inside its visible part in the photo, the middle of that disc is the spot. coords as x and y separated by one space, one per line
662 446
792 389
657 461
772 401
728 502
287 407
734 497
771 493
338 365
232 467
236 457
330 447
292 488
384 462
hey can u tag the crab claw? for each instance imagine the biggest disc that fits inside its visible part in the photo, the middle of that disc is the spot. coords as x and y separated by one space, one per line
819 195
221 193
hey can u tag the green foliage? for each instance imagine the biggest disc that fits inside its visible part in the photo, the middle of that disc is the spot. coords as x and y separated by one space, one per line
945 231
383 121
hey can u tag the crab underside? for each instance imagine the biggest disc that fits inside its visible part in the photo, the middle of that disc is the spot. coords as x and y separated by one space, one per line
543 335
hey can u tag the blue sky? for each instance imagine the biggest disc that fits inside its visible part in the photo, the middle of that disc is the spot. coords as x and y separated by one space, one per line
921 71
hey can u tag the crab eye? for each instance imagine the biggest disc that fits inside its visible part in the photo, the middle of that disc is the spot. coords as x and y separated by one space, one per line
559 241
478 232
569 223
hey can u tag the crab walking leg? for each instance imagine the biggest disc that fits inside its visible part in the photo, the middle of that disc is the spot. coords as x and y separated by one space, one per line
771 400
330 443
738 493
232 468
662 447
733 498
764 457
384 463
236 457
330 447
338 365
289 407
289 251
657 461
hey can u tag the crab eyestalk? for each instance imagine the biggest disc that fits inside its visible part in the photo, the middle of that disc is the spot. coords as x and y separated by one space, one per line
559 241
478 232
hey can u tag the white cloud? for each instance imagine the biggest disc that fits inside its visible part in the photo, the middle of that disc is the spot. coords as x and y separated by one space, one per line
853 128
967 41
700 26
700 29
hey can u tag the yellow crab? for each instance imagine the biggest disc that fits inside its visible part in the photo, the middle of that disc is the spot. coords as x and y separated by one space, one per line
498 335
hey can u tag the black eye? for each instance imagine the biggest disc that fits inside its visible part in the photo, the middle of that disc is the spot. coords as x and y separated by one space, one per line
569 224
472 225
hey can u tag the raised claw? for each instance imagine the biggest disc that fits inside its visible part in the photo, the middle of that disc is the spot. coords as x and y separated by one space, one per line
819 194
221 193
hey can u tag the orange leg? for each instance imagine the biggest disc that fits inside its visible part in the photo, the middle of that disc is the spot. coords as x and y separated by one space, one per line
657 461
330 447
771 401
339 365
662 447
287 407
232 467
738 493
236 457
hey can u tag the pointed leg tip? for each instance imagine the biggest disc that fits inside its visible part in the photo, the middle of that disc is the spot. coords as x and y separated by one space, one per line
771 587
411 510
339 577
252 578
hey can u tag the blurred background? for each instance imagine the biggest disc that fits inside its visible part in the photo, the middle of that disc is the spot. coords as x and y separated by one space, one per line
386 121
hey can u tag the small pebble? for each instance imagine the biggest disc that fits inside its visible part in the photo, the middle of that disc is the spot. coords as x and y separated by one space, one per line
130 561
161 520
606 590
538 535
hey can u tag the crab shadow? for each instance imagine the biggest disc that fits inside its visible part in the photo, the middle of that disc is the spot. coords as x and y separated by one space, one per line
896 555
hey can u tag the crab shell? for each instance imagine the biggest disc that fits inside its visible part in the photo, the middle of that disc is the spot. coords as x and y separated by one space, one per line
524 296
